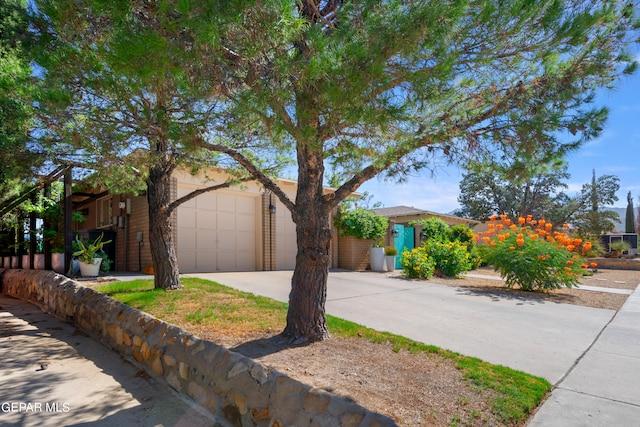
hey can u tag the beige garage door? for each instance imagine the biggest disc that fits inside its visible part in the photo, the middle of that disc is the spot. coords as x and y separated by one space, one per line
286 246
217 232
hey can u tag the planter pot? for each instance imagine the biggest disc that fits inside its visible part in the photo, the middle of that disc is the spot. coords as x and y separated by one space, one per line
390 262
57 262
376 257
90 270
26 259
38 261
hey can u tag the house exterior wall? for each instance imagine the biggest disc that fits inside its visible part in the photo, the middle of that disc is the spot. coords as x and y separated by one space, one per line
273 235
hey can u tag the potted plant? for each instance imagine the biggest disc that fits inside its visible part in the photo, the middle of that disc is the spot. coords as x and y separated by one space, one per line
619 247
89 257
376 256
390 253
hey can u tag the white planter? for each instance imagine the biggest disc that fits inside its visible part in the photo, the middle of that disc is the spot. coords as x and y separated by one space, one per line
38 261
90 270
376 257
57 262
390 262
26 259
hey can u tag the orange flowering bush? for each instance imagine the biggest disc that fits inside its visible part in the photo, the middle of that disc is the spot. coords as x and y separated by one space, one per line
531 254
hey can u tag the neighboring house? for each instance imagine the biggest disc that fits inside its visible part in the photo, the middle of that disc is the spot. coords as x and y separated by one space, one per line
242 228
406 236
405 214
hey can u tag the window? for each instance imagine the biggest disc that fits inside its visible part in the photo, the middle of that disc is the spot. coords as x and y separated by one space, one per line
104 212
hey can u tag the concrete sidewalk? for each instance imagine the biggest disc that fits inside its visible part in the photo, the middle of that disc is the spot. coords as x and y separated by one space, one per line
591 355
603 388
52 374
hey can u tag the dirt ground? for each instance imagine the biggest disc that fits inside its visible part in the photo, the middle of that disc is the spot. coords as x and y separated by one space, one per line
412 389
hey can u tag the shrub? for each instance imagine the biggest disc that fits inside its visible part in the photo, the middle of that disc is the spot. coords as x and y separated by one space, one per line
532 255
451 259
361 223
620 246
417 264
464 235
433 229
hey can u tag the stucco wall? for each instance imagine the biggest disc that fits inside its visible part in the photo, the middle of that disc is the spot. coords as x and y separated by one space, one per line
230 385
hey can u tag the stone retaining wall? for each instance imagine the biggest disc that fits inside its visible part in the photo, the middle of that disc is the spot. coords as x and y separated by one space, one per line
234 387
617 263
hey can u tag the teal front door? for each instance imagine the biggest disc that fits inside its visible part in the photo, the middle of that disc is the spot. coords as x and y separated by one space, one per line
404 241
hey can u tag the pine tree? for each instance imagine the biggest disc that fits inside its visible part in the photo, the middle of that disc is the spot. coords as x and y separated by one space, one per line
630 221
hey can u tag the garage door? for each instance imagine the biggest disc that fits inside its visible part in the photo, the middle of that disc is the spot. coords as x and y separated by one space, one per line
217 232
286 246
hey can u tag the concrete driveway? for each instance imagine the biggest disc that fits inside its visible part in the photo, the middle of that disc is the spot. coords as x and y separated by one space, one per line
537 337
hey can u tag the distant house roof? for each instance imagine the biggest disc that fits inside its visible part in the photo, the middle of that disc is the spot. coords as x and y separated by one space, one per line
407 211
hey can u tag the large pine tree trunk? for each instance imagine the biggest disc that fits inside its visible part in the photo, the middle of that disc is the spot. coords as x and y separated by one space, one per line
306 320
163 254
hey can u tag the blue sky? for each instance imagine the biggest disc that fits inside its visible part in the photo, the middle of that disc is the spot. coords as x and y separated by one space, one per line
615 152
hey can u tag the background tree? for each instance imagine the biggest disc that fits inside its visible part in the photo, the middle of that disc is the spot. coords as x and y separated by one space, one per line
126 97
591 219
16 96
518 187
630 221
354 90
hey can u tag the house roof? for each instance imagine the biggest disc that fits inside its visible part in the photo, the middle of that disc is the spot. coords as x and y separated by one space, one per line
402 211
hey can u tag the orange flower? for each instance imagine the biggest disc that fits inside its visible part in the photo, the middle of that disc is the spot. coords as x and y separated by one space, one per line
565 226
569 262
512 248
493 218
513 227
548 226
521 220
499 227
583 266
593 265
541 222
577 242
570 248
507 222
520 242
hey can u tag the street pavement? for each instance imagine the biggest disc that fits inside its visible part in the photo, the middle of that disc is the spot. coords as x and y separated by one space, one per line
592 356
52 374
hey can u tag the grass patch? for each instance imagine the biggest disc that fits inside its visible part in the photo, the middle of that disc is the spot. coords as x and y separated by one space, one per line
236 313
